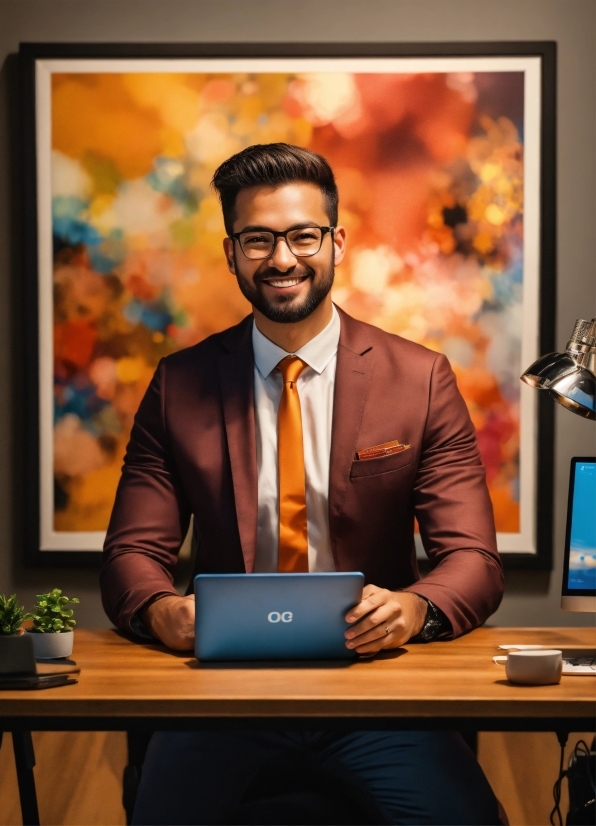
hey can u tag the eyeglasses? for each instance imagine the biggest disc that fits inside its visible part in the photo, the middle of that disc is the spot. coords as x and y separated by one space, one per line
301 242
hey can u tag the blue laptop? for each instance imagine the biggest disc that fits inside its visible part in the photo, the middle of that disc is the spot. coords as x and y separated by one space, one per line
274 616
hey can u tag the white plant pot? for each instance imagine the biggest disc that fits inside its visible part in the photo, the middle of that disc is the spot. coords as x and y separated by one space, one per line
51 646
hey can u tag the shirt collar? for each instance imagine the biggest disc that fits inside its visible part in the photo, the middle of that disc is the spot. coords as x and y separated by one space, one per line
317 352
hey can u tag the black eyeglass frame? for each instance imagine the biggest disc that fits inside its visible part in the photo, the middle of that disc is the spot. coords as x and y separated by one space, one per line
235 236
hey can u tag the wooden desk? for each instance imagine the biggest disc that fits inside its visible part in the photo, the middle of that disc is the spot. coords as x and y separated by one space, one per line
441 685
438 685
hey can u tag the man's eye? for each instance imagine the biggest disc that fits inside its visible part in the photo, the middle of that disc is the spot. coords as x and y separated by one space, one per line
305 237
256 239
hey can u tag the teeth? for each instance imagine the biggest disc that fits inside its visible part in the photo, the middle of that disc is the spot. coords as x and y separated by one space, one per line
287 282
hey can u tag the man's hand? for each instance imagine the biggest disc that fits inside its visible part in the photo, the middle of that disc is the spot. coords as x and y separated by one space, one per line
384 619
172 620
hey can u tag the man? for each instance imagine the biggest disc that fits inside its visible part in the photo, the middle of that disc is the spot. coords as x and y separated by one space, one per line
302 439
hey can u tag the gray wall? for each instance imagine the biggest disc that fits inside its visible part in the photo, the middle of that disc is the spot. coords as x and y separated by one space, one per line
532 598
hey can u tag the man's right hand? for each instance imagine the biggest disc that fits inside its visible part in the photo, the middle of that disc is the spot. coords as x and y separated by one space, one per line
172 621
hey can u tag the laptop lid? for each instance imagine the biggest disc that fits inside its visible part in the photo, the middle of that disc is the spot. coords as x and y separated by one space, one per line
274 616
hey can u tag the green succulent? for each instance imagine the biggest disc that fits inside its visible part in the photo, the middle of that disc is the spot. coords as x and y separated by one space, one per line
51 616
12 616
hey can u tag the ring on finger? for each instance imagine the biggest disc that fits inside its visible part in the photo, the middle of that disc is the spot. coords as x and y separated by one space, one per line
386 629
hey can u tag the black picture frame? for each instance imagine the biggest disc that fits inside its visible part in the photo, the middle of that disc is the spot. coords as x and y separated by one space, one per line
28 478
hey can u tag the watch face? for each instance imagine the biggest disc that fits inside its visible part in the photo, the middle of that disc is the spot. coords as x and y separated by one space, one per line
433 623
432 626
431 629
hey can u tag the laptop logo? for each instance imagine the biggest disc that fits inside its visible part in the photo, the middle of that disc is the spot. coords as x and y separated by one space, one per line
285 616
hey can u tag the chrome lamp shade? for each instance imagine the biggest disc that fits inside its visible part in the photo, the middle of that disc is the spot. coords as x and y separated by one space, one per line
570 377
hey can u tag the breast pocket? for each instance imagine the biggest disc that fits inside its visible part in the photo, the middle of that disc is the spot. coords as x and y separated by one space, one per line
382 464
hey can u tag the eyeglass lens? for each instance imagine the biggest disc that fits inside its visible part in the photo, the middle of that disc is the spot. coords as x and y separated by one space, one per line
306 241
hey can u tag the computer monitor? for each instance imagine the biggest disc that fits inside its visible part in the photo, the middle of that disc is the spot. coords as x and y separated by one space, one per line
579 574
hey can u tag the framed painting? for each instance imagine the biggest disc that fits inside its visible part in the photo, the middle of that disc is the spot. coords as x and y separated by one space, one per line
445 160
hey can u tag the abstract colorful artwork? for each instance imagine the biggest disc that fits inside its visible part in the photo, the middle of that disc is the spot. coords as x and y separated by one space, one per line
430 162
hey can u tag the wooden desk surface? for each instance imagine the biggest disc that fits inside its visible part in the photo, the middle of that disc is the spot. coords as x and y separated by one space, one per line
457 679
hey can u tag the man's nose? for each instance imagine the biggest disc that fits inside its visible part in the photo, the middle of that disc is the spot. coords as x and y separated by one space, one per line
282 258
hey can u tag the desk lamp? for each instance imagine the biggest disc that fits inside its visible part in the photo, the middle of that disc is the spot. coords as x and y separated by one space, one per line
570 378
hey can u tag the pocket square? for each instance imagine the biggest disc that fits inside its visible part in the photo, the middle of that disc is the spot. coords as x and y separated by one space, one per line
386 449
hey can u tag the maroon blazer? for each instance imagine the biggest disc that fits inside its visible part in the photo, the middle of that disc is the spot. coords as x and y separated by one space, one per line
193 451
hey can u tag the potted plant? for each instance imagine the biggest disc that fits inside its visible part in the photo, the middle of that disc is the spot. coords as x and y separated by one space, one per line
12 616
12 641
52 625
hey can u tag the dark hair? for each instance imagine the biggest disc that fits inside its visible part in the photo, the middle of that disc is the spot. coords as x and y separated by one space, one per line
273 164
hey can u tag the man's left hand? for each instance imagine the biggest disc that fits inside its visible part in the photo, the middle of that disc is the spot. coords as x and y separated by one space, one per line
384 619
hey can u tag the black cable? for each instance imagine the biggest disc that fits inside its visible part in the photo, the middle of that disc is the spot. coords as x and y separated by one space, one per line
583 750
562 738
580 750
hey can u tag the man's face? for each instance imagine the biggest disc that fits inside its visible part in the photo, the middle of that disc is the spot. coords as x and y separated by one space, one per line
284 287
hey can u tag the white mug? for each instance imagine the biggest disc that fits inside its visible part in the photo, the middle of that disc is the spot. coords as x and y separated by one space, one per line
534 667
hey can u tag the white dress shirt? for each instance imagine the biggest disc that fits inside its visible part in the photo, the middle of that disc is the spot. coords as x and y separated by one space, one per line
315 388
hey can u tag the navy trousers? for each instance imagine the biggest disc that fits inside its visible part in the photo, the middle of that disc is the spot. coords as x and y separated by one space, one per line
413 776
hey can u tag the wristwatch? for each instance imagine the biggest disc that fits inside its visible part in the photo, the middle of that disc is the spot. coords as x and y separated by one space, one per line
435 623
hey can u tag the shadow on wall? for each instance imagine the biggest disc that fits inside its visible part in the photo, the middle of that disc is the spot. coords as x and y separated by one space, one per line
535 583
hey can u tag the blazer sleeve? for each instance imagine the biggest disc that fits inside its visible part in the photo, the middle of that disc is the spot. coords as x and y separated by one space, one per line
150 517
454 511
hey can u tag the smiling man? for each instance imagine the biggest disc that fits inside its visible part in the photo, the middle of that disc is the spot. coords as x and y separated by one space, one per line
287 290
303 440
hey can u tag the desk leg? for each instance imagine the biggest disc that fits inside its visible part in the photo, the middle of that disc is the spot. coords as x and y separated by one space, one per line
25 761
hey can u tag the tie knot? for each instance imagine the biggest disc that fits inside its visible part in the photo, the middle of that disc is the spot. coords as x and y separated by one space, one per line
290 368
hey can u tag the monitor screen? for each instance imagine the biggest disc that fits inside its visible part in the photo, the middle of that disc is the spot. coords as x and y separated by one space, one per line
580 541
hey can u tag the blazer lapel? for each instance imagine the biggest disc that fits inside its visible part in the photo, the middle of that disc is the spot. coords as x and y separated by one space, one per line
236 373
352 381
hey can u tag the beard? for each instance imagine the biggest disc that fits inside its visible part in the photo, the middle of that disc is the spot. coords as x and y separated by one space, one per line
287 309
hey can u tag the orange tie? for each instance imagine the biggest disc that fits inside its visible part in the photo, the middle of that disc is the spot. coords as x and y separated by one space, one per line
293 536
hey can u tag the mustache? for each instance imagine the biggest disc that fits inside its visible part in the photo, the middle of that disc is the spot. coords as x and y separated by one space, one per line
298 271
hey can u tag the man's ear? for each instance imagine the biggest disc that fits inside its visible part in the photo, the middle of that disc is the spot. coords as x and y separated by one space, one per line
339 242
228 246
